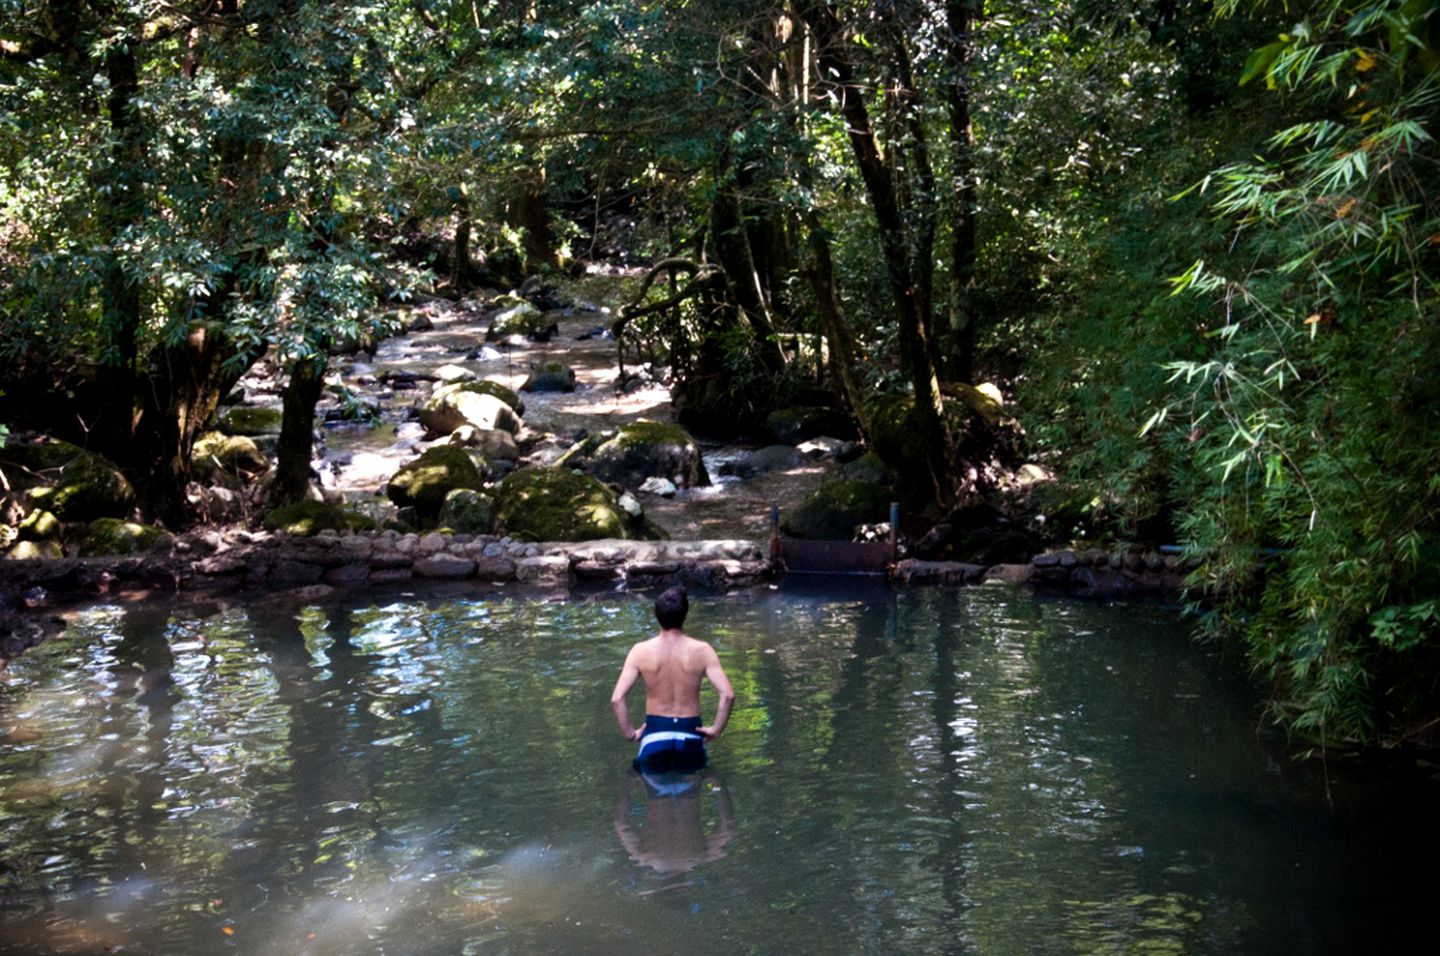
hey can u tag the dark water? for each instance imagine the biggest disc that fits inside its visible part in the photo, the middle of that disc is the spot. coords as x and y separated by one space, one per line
936 772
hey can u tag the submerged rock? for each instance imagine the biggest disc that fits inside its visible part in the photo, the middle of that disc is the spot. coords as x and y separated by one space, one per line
767 459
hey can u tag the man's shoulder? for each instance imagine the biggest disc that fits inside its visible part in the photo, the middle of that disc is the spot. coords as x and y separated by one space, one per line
697 646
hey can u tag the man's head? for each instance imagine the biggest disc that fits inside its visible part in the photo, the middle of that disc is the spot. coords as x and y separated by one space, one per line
671 607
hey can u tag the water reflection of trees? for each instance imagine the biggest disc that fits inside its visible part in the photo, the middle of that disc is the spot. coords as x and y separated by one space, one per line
920 774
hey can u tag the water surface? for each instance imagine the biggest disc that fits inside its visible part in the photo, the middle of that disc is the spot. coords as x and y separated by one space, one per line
980 770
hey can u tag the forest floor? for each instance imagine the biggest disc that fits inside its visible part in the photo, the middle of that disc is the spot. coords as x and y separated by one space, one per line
357 459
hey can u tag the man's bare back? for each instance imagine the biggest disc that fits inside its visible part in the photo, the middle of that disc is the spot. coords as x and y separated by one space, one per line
672 665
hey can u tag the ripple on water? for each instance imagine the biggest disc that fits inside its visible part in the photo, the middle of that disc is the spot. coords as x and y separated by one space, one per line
922 772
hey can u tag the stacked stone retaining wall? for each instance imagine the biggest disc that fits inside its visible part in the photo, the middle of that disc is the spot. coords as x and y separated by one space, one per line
314 566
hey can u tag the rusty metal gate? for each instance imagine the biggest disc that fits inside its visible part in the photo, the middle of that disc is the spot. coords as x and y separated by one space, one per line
803 556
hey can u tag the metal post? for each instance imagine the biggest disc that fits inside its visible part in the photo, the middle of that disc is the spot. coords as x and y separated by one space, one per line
775 534
894 531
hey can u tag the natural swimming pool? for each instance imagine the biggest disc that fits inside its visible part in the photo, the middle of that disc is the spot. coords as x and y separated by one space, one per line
982 770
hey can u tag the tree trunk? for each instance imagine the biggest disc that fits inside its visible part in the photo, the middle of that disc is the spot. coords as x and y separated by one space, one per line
530 212
922 192
915 346
461 269
178 402
732 248
960 16
121 300
842 345
297 430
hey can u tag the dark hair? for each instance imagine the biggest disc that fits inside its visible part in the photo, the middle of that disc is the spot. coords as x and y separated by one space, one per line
671 607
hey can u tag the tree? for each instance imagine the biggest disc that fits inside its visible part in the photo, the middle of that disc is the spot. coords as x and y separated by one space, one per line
1315 503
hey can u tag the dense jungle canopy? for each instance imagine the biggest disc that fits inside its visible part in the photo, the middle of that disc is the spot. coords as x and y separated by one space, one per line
1193 243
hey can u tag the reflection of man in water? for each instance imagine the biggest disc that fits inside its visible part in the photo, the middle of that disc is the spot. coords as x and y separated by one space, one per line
671 837
672 664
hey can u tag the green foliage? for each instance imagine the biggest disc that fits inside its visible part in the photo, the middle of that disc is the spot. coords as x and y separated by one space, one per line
1311 500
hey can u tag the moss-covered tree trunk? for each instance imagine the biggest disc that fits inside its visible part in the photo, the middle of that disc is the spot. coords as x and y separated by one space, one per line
732 247
177 404
297 430
530 212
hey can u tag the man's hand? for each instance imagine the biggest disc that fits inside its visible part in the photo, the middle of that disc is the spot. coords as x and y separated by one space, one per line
709 733
638 734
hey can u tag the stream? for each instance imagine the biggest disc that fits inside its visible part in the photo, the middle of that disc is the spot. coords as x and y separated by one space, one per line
357 459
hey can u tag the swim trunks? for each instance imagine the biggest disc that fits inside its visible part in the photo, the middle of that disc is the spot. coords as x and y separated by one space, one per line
670 744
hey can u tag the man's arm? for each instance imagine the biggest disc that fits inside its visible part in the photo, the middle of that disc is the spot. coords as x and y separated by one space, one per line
716 675
628 675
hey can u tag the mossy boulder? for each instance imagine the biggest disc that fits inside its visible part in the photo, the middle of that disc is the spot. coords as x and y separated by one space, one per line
66 480
867 468
492 443
550 377
506 395
790 426
33 550
423 483
306 518
554 504
984 400
892 423
467 511
521 318
250 420
452 406
835 508
646 449
217 454
116 536
39 525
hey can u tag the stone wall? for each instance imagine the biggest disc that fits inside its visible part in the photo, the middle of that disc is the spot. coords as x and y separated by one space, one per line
312 567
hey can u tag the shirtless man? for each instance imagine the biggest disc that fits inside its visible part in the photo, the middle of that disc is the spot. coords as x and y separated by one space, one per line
672 664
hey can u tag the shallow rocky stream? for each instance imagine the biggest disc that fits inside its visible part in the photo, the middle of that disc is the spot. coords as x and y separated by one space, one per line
356 459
